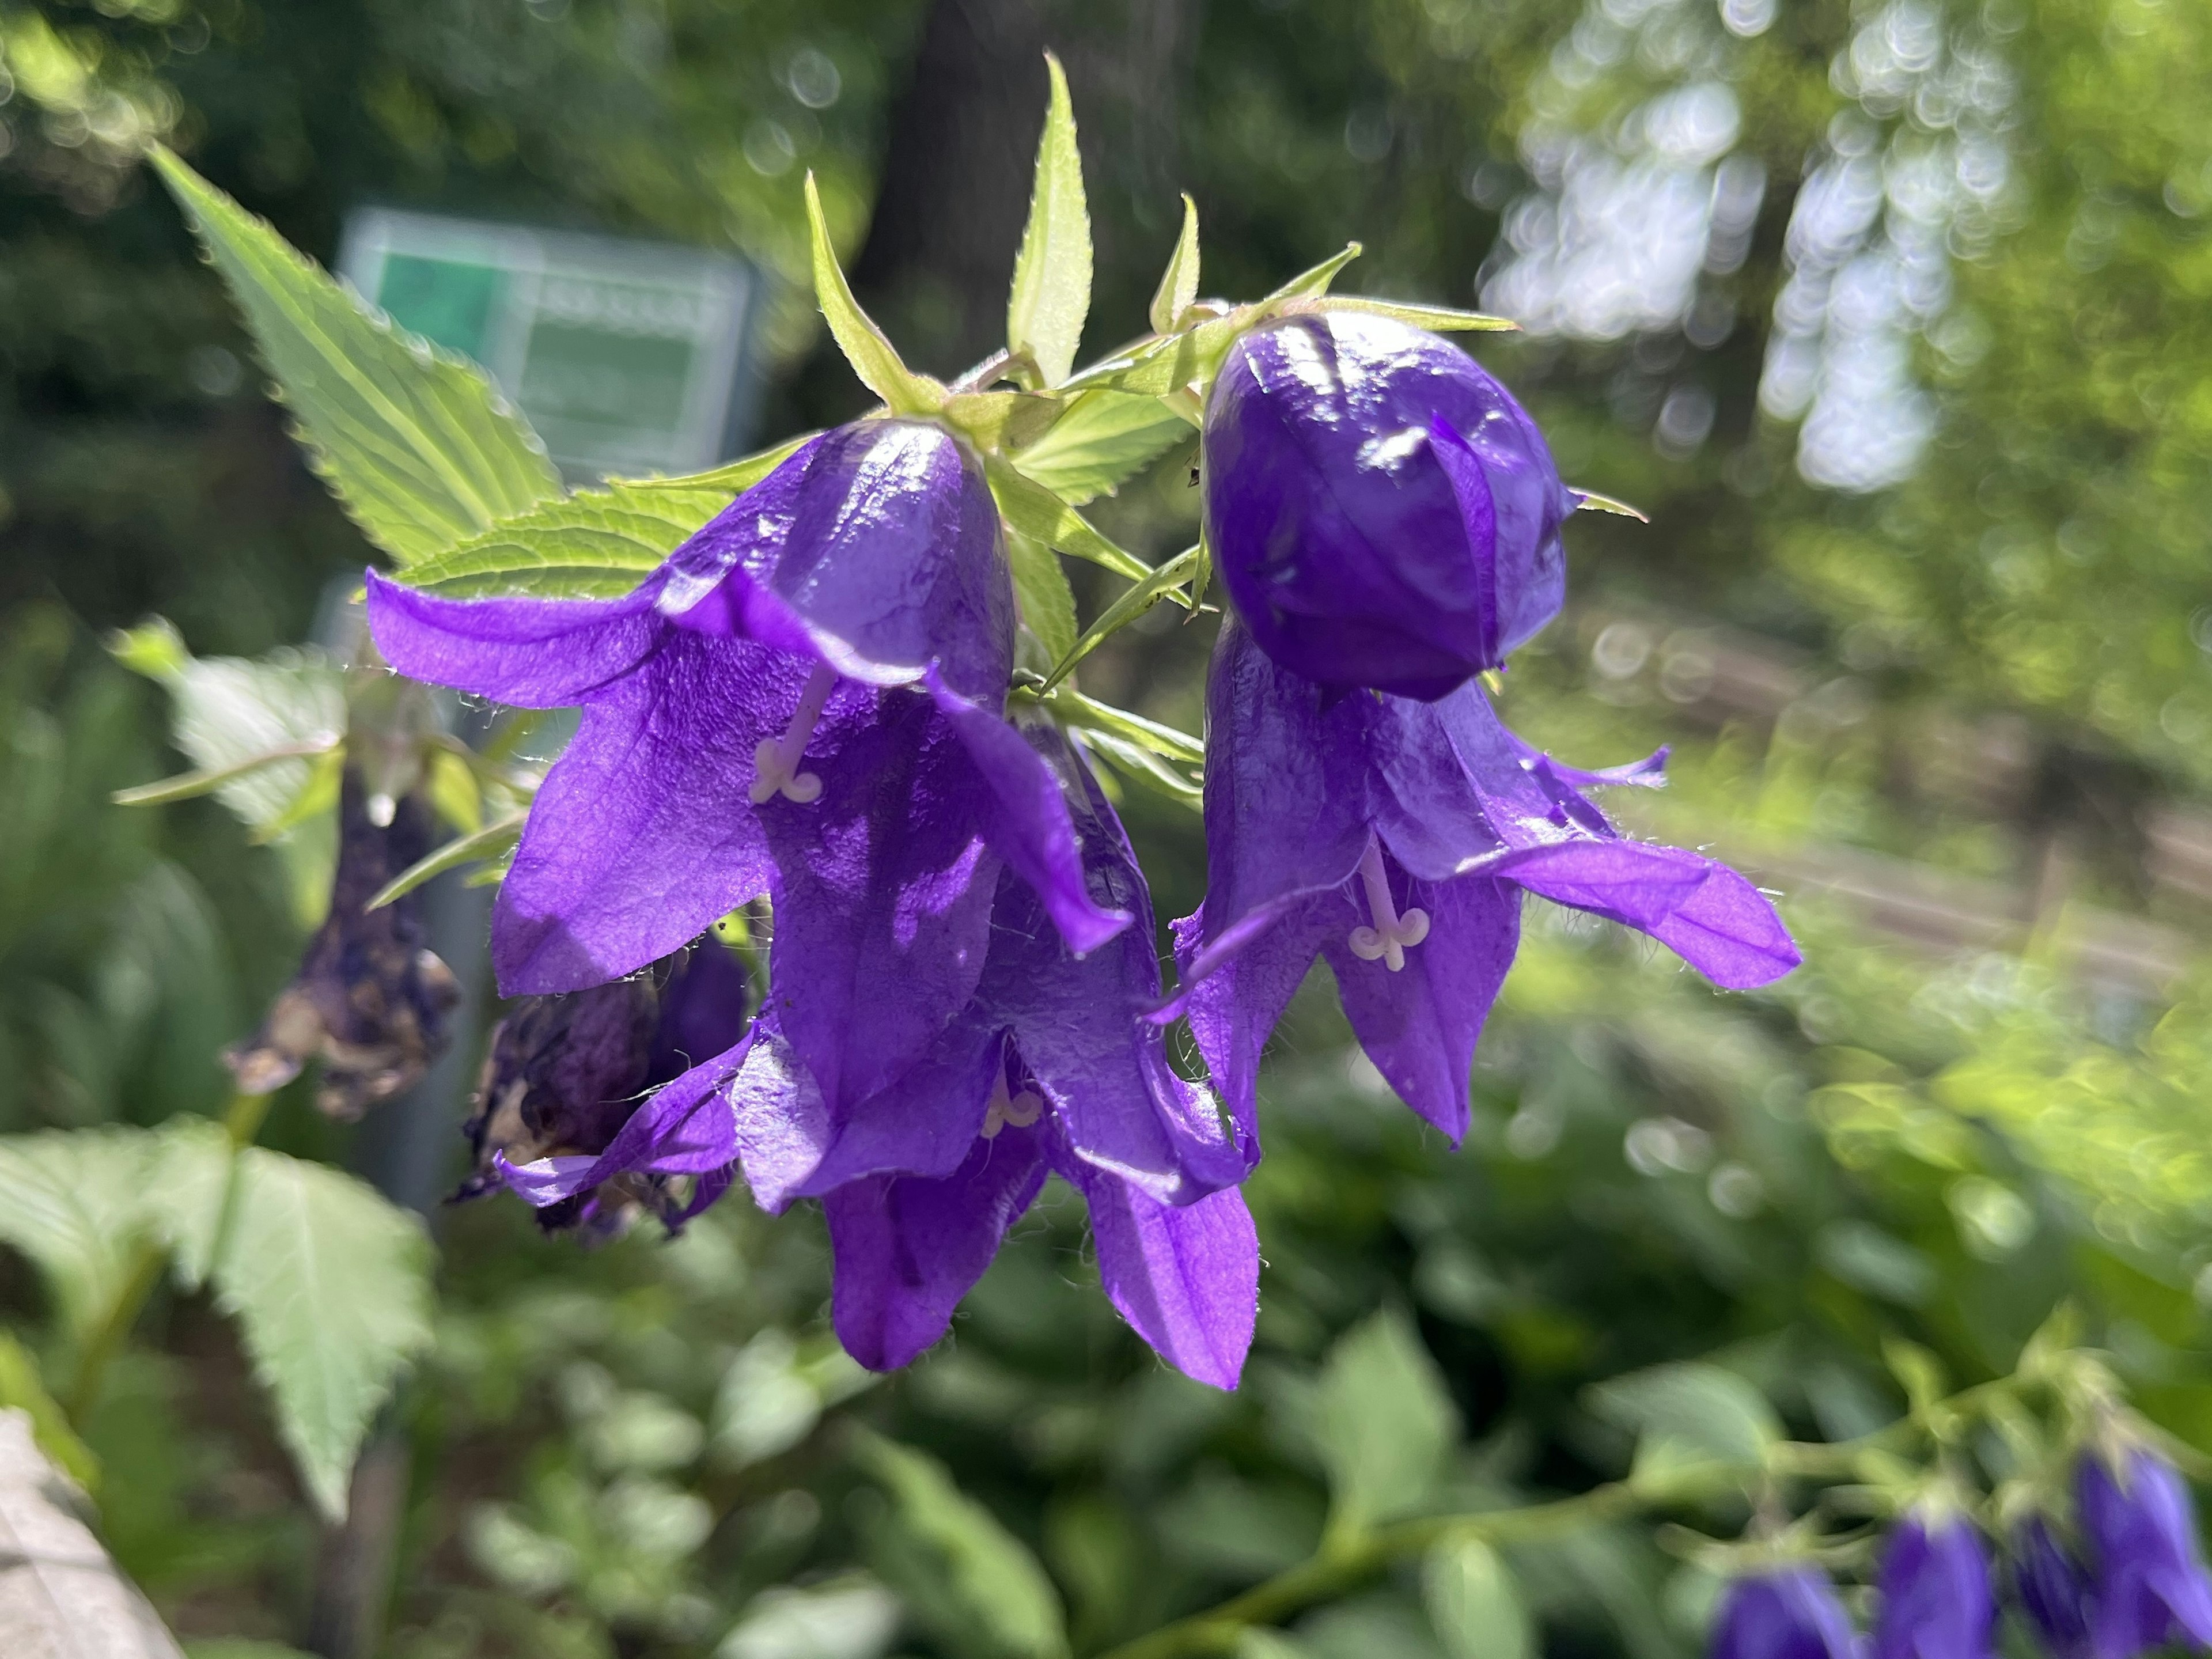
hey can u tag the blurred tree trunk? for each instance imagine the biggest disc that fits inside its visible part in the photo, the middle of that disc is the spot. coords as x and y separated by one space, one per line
954 190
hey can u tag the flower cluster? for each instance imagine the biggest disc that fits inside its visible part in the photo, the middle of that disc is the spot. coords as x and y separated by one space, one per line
2125 1578
806 708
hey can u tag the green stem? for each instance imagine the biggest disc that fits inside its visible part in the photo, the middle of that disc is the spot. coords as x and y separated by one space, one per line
241 1122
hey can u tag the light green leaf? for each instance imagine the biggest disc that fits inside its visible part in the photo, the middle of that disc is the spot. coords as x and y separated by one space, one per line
331 1286
1166 366
1124 610
596 544
415 442
73 1201
1312 284
1052 273
1179 282
1383 1422
23 1389
1473 1605
1002 420
1441 319
1140 765
973 1582
491 842
1103 439
187 1191
871 353
849 1617
1040 588
1689 1412
1035 512
1588 500
1072 707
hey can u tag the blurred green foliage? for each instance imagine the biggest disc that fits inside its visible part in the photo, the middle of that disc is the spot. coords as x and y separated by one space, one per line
1947 716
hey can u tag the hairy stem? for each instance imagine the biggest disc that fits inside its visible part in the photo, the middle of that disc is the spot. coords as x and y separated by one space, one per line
241 1122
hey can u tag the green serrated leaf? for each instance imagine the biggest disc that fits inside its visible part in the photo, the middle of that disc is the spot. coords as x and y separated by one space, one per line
866 348
1473 1604
1178 285
1312 284
1040 588
71 1200
1105 439
1688 1412
23 1389
1051 293
596 544
1441 319
1074 708
966 1576
1156 587
1035 512
491 842
1383 1422
187 1193
331 1286
415 443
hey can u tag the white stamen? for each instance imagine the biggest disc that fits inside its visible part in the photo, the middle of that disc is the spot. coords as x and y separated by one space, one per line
1019 1110
1393 934
775 763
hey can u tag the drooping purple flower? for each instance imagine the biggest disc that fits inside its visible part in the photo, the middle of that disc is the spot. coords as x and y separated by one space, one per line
2053 1589
1050 1067
594 1101
1381 511
1934 1587
2149 1585
1787 1612
370 1001
1394 838
803 700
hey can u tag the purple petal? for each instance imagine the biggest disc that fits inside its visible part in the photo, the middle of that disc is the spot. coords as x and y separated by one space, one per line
1477 512
1650 773
703 1008
1186 1278
1420 1025
907 1248
1233 1008
1025 814
1786 1612
883 892
684 1128
528 653
642 834
2151 1588
1936 1597
891 562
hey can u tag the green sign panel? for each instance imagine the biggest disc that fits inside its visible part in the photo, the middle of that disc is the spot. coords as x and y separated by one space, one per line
627 356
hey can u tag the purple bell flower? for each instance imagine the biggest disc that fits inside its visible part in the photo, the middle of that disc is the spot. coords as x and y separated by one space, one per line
1394 838
2053 1590
1382 513
804 700
1787 1612
594 1103
2150 1585
370 1001
1934 1587
1050 1067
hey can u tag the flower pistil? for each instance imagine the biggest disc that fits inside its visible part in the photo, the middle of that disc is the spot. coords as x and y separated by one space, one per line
1394 934
776 760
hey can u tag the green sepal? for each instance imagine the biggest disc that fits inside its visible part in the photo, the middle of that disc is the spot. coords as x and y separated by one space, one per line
1158 585
1051 292
866 348
1588 500
491 842
1168 365
1035 512
1441 319
1002 420
1178 287
1312 284
1048 603
187 785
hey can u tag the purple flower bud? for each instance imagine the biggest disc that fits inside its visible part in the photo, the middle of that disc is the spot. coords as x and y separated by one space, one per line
1382 513
2150 1588
567 1074
1936 1600
1790 1613
2053 1590
370 1000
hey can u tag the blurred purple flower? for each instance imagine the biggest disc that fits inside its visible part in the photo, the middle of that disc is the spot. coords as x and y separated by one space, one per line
1394 838
592 1103
1934 1587
2150 1589
2053 1589
805 699
370 1001
1789 1612
1050 1067
1382 513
